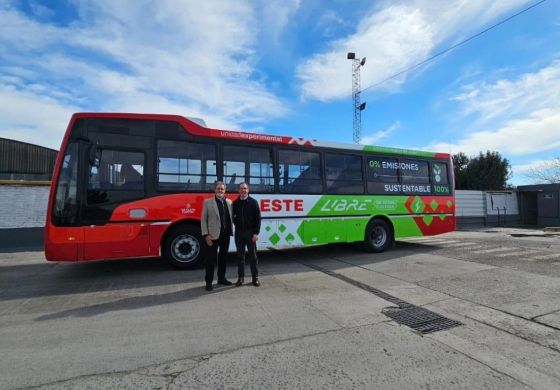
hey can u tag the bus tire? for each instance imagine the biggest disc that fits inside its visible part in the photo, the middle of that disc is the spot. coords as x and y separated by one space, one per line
379 236
182 247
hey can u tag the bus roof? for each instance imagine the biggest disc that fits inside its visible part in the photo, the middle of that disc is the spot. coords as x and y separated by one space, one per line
196 128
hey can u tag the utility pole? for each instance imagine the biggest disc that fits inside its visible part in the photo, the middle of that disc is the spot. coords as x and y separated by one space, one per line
358 105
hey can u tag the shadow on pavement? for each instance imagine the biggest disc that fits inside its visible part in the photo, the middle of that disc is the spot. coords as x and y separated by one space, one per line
59 279
20 249
134 303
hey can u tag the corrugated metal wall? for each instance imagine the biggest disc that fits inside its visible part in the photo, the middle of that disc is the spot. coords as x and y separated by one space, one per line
486 208
470 203
21 157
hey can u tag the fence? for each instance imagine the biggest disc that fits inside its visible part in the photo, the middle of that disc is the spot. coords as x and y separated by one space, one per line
480 208
23 209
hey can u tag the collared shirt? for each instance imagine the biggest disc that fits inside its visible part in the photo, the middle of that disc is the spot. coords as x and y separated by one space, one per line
225 221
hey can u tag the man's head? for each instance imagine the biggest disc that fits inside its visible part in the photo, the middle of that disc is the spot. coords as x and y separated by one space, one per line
243 190
220 190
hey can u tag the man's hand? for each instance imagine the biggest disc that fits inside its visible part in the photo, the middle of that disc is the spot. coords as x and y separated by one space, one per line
255 237
209 240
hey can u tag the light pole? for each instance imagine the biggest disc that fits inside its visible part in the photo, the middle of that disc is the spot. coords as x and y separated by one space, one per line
358 106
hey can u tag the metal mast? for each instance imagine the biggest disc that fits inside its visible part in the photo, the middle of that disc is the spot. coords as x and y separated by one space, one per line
358 105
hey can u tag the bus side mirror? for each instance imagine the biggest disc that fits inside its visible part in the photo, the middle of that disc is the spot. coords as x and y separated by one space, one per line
94 156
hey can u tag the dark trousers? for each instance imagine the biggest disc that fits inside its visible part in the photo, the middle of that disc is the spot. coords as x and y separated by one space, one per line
246 246
221 244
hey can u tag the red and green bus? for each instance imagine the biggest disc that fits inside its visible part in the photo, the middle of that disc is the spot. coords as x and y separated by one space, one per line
132 186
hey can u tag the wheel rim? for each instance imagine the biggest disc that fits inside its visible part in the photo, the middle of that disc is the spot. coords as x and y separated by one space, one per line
185 248
378 236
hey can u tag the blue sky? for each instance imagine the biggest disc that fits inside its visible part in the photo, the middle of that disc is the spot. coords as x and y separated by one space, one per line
280 67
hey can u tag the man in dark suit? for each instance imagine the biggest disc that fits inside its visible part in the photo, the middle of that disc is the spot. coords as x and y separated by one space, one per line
247 220
216 228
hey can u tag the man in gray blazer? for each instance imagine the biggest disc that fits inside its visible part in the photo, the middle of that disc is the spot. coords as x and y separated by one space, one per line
216 229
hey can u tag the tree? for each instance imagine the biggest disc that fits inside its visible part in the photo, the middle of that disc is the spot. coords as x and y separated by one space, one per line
547 172
460 164
487 171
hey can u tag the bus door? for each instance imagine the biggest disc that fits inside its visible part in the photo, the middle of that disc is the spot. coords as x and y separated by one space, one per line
115 179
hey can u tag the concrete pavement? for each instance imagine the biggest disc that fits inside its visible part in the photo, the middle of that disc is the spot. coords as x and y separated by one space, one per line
137 324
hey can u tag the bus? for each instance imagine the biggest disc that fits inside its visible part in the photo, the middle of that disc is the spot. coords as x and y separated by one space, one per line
133 185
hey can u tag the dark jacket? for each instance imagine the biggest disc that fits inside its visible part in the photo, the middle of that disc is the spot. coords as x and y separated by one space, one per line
247 215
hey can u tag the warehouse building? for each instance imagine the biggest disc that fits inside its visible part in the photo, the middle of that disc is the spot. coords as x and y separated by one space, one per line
20 161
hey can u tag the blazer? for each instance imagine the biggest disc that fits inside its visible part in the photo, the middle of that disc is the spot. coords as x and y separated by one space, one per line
210 219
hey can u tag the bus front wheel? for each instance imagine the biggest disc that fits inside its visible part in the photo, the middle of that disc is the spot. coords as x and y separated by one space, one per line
182 247
379 236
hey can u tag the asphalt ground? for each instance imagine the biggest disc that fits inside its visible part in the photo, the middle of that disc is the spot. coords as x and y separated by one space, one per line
319 320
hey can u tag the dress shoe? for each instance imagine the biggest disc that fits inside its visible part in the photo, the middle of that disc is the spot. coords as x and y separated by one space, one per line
225 282
256 282
209 287
239 282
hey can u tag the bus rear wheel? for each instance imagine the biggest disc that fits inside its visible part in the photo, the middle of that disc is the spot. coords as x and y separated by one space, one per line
182 247
379 236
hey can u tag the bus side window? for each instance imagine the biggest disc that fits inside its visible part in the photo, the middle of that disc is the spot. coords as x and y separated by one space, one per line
382 175
186 166
415 176
344 174
440 178
249 164
118 177
302 172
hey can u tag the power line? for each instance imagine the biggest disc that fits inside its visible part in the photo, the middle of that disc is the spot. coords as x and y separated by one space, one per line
453 47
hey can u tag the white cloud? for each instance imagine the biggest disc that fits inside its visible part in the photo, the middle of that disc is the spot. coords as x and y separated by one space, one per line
189 58
538 171
539 131
40 10
519 116
533 164
194 51
393 38
33 118
275 16
329 21
374 138
327 76
529 92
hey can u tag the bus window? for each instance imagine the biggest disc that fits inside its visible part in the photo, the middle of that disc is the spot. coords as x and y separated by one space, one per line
415 176
440 178
119 176
344 174
186 166
118 170
251 165
300 172
65 206
382 175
